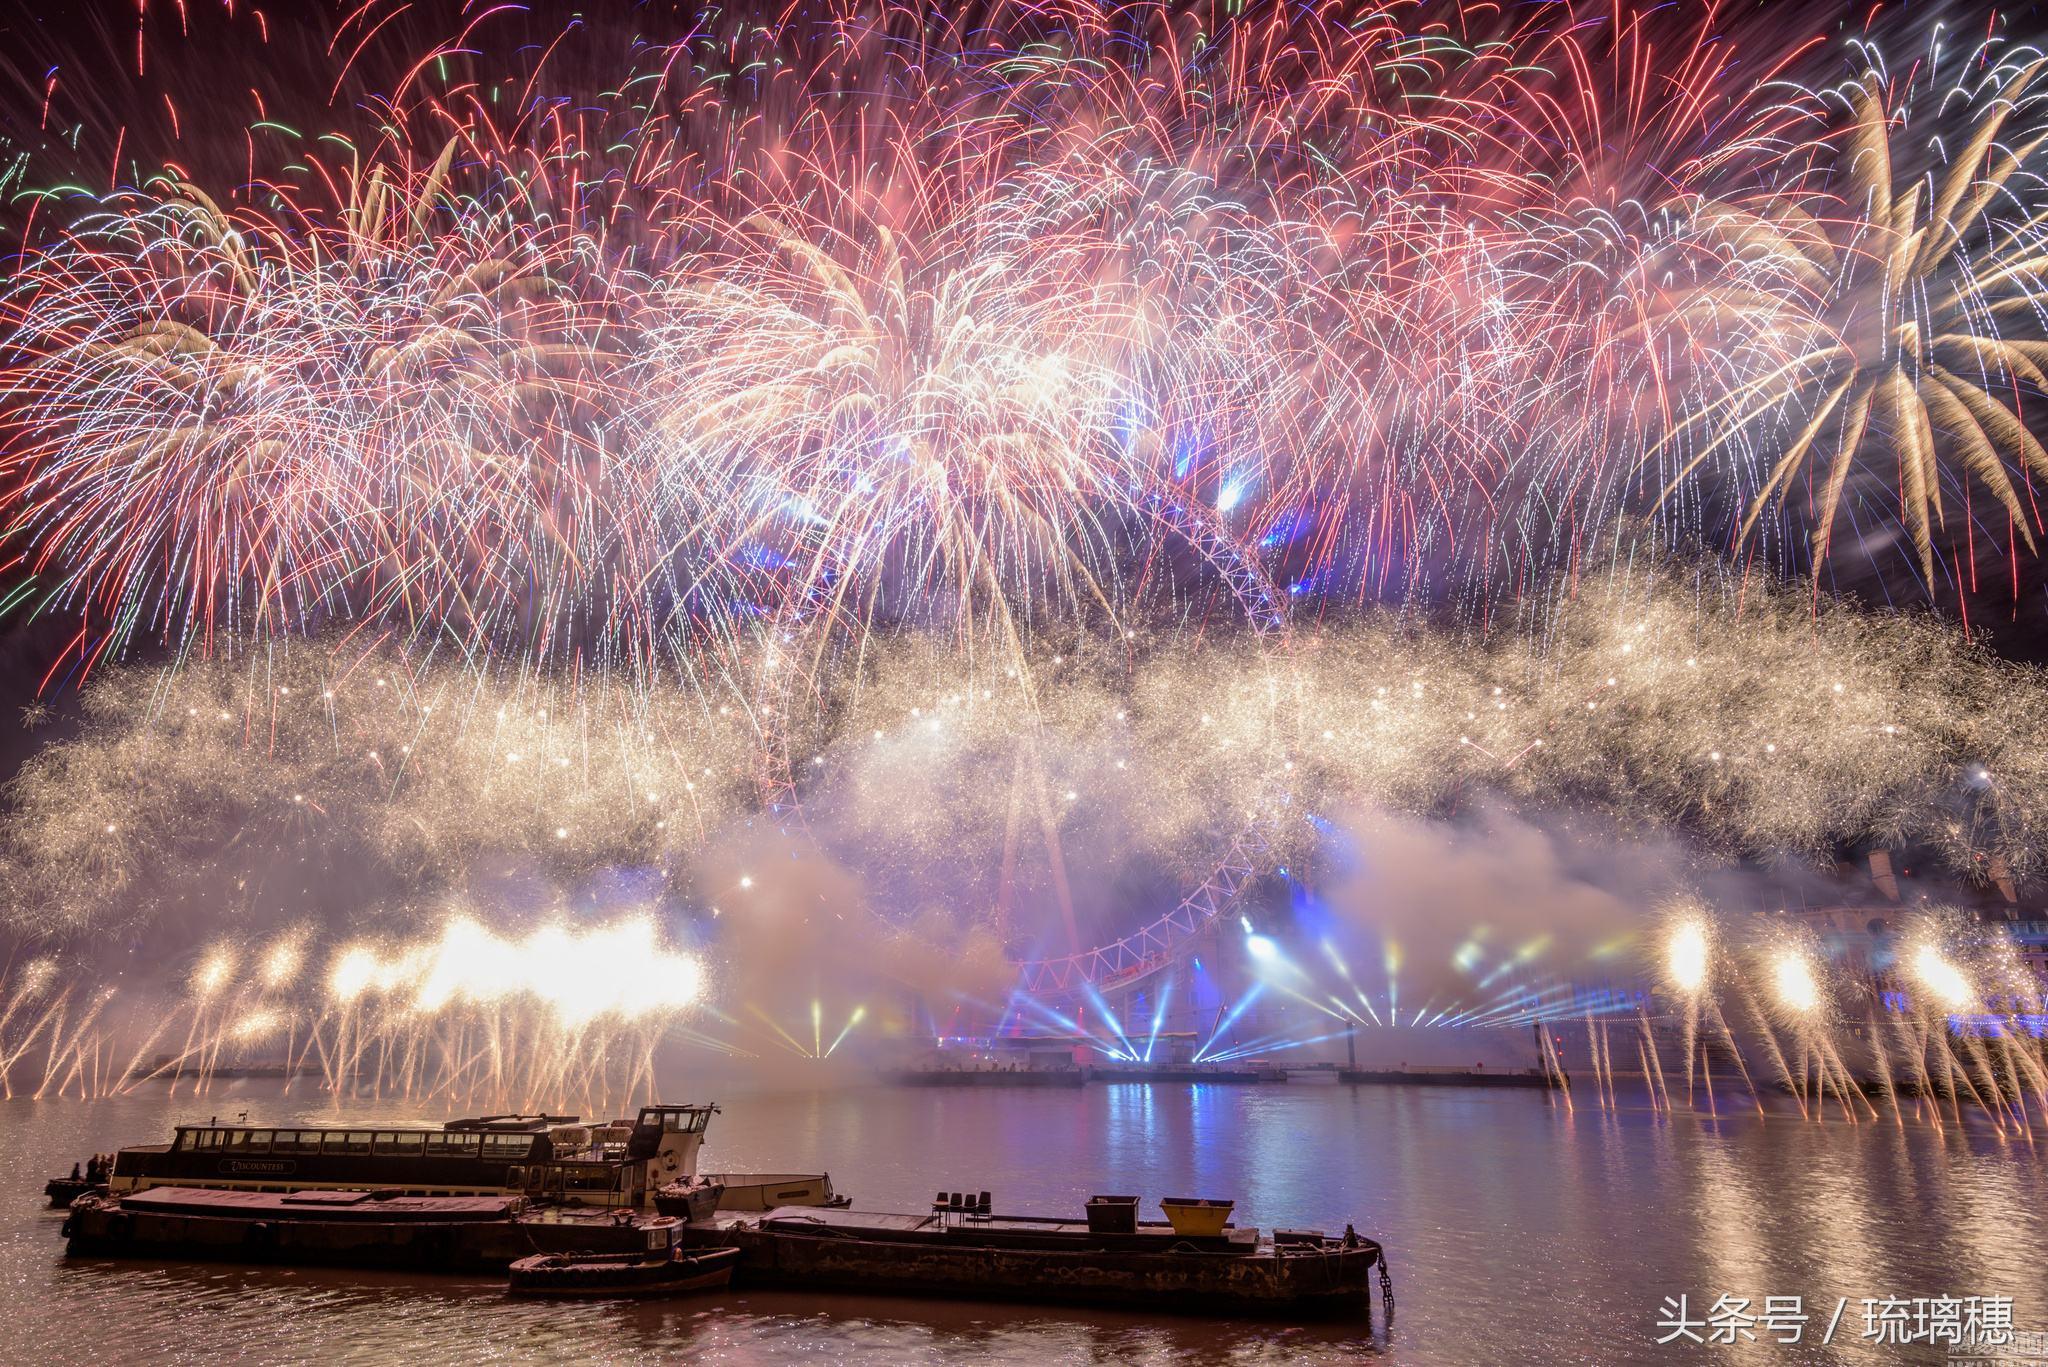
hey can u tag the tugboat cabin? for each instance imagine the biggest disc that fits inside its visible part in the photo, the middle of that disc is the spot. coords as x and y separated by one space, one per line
543 1156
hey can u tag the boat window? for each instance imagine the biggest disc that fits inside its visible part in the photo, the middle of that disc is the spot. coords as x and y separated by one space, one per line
248 1141
346 1141
451 1145
188 1140
296 1141
402 1144
503 1146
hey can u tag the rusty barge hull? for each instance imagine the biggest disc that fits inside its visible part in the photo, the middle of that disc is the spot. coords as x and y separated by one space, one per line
453 1235
1048 1262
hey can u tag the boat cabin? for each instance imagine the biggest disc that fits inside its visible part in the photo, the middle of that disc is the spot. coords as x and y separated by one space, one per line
542 1157
667 1139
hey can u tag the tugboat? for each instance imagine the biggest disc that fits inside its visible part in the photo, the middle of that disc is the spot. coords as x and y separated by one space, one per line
62 1191
622 1274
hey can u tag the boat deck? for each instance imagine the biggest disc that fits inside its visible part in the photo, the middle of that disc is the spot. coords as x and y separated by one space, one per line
1013 1230
318 1205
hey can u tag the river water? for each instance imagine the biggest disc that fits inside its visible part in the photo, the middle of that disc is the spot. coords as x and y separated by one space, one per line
1516 1232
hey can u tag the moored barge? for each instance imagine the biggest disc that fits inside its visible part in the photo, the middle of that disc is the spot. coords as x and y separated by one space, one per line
351 1229
971 1254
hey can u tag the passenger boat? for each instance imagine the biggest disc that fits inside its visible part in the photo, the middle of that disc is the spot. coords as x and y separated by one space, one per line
548 1159
622 1274
543 1157
963 1250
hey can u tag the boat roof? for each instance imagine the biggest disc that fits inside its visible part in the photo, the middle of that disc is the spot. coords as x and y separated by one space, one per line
486 1124
358 1127
513 1123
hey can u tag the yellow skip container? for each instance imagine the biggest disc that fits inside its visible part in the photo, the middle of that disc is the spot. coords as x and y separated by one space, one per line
1195 1217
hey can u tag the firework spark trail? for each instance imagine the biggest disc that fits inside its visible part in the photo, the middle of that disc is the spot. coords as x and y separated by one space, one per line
1960 1027
560 1015
952 364
941 348
909 331
567 380
1749 724
1214 720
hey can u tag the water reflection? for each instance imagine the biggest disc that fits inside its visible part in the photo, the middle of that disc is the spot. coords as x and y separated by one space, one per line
1517 1232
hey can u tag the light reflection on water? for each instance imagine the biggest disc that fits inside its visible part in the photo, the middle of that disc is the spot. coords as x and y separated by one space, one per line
1516 1233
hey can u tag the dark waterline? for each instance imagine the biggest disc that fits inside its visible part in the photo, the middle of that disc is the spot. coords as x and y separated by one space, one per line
1516 1232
